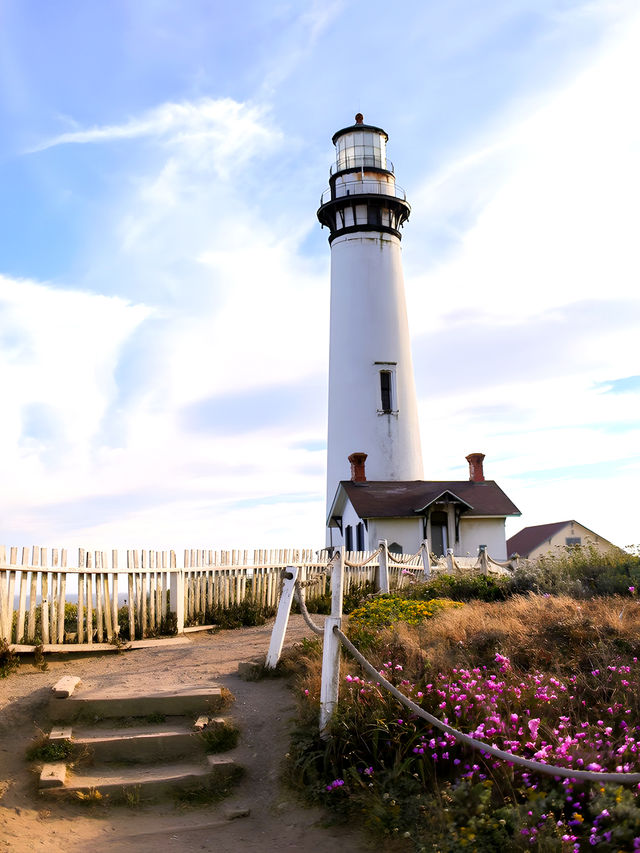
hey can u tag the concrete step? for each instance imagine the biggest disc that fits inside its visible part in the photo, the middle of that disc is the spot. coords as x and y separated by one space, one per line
175 738
210 777
158 742
92 705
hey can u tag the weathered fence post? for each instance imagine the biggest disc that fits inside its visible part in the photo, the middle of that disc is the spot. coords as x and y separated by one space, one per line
4 604
282 619
176 593
382 573
426 560
331 647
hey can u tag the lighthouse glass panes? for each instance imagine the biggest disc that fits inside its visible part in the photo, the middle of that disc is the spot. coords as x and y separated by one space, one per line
363 148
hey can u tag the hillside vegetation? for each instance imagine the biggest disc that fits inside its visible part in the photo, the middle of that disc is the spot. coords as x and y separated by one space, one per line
543 664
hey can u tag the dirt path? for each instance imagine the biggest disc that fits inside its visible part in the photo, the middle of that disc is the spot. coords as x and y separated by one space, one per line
277 820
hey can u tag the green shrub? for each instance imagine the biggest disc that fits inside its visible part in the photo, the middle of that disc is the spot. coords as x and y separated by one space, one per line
246 613
352 599
45 750
384 610
220 738
581 571
465 587
9 661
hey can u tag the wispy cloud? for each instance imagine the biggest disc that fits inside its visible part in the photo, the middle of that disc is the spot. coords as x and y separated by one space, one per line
225 123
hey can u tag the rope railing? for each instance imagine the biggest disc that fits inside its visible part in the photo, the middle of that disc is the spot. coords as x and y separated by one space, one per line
360 565
507 565
537 766
403 559
303 610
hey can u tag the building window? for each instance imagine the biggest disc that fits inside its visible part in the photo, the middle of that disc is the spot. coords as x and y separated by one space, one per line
360 537
570 541
348 537
395 548
385 391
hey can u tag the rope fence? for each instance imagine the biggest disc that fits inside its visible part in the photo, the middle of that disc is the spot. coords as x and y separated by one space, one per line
305 613
366 562
334 638
537 766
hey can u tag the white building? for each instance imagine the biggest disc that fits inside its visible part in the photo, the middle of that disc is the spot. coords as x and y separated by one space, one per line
373 411
554 538
456 514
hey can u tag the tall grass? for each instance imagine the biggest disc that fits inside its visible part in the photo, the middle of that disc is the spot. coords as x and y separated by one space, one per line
550 677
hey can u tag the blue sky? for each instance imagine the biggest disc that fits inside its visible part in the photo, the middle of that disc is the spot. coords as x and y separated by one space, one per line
164 283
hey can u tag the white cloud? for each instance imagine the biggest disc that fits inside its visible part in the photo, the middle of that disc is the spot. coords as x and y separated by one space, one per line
554 198
232 306
542 224
60 349
222 125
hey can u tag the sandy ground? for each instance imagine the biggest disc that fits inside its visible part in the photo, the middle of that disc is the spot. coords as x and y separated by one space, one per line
264 710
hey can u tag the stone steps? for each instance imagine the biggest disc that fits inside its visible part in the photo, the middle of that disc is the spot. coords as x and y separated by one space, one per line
101 704
131 747
166 741
140 782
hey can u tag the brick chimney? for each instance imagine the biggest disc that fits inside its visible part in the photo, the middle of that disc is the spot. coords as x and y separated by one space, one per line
357 467
476 474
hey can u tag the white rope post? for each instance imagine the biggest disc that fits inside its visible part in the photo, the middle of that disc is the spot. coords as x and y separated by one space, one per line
484 562
426 560
450 560
382 575
331 647
282 619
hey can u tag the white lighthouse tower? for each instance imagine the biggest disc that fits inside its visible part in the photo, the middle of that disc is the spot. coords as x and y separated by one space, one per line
372 398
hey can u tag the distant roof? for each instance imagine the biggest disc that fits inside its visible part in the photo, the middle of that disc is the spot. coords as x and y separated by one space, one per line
399 499
529 538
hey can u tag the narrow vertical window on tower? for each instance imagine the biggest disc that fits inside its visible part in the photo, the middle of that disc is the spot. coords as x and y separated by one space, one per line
386 392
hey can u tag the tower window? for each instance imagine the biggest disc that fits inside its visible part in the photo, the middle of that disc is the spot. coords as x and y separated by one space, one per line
385 391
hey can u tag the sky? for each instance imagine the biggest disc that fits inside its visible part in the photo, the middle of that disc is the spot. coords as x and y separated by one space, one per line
164 282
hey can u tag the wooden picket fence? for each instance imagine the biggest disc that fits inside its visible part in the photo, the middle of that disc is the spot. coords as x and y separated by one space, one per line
44 600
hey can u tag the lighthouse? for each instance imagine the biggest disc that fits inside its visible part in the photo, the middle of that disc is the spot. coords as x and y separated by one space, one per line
372 397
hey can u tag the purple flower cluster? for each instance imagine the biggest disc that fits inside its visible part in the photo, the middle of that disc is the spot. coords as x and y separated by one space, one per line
534 715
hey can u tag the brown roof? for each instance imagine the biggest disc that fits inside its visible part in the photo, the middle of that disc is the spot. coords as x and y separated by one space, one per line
529 538
384 499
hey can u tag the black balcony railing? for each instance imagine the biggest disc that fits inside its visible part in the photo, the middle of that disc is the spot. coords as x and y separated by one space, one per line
365 187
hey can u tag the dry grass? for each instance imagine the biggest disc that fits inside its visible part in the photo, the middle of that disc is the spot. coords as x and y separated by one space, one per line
556 634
